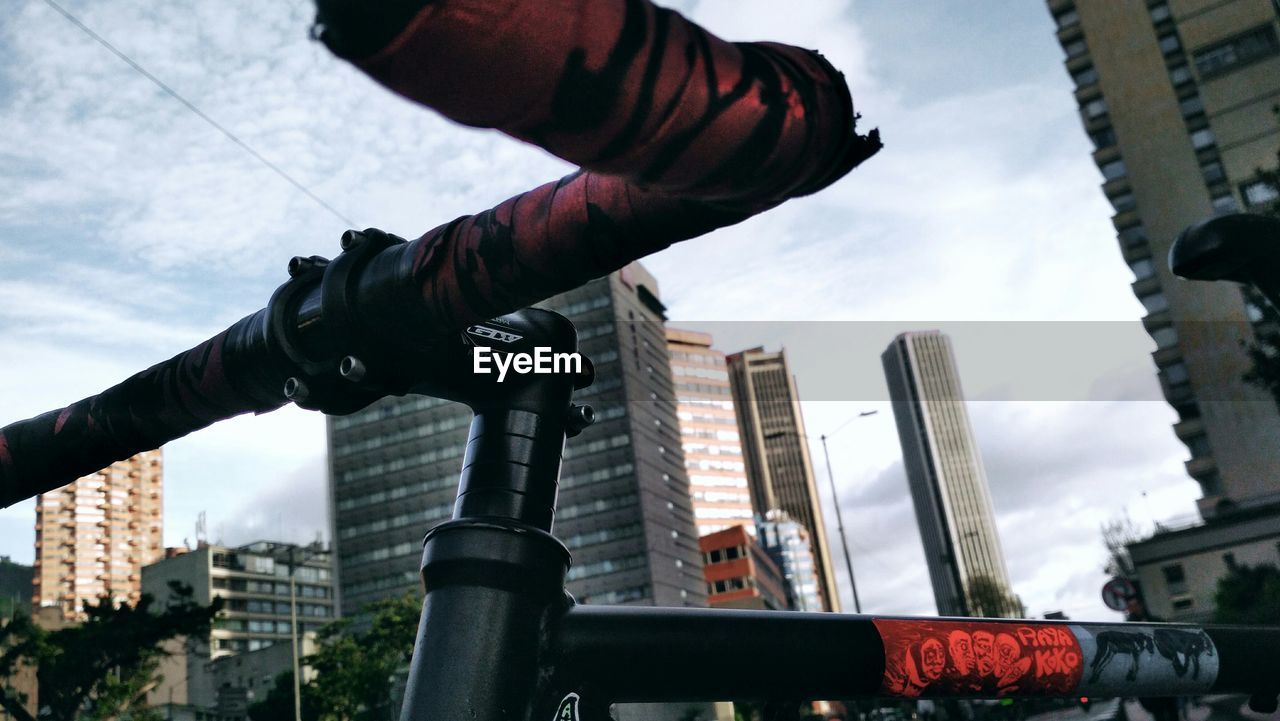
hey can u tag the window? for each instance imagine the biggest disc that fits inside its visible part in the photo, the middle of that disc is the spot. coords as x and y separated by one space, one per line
1192 105
1176 374
1188 411
1183 604
1155 303
1230 560
1259 192
1180 74
1175 578
1095 108
1169 44
1203 138
1113 170
1225 203
1105 138
1143 268
1199 446
1086 77
1133 235
1067 19
1254 312
1213 172
1166 337
1160 13
1075 48
1238 51
1123 202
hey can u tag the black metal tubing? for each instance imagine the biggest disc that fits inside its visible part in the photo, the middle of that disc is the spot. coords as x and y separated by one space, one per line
668 654
661 654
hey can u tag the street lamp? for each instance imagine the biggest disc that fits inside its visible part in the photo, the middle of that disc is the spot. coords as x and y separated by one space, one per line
831 478
293 623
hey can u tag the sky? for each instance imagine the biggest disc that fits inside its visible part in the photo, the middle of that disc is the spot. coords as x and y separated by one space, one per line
130 230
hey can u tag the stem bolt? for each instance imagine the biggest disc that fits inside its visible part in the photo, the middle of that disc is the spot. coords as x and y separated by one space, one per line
295 390
580 416
352 368
351 239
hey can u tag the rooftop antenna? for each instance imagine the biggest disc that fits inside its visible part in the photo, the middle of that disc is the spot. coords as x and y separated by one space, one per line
202 536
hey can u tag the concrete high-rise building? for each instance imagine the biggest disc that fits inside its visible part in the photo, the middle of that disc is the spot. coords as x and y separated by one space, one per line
1177 98
709 427
776 451
254 582
623 510
947 479
94 535
787 543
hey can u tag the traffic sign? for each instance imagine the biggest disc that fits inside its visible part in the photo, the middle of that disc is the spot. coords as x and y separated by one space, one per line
1117 592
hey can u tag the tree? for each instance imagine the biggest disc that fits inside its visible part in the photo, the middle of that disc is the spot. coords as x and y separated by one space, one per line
354 672
103 668
987 597
1248 595
1117 534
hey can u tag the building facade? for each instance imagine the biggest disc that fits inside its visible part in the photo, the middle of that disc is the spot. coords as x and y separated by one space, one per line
1178 569
1177 98
947 479
709 429
254 581
776 451
787 543
739 573
94 535
624 508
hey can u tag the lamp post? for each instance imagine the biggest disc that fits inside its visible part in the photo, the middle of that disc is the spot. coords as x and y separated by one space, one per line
293 627
831 478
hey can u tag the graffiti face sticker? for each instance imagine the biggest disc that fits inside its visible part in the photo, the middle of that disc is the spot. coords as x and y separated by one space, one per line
1134 659
958 658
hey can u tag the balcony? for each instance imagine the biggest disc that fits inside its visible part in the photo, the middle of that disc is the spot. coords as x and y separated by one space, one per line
1188 428
1126 219
1200 467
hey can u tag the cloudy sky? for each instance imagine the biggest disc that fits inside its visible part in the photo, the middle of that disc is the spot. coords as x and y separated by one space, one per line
130 229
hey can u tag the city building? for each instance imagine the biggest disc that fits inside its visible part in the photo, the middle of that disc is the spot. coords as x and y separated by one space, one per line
222 689
739 573
623 510
787 543
254 581
709 429
94 535
947 479
1177 97
776 451
1178 569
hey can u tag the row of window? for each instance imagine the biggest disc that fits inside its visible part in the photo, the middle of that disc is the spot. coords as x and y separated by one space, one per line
380 412
279 589
703 358
279 608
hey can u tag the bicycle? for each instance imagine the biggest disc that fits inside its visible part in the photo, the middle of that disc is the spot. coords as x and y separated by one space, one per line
499 638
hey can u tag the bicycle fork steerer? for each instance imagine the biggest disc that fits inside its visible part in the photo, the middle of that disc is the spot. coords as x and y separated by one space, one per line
499 638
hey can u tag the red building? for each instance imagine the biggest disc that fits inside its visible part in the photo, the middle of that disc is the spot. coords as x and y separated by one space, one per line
739 573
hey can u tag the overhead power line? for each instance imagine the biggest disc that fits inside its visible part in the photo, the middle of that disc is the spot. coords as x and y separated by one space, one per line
198 112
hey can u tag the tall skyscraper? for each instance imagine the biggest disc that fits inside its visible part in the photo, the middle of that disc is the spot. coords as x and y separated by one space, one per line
776 451
947 480
94 535
709 428
1177 98
624 508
